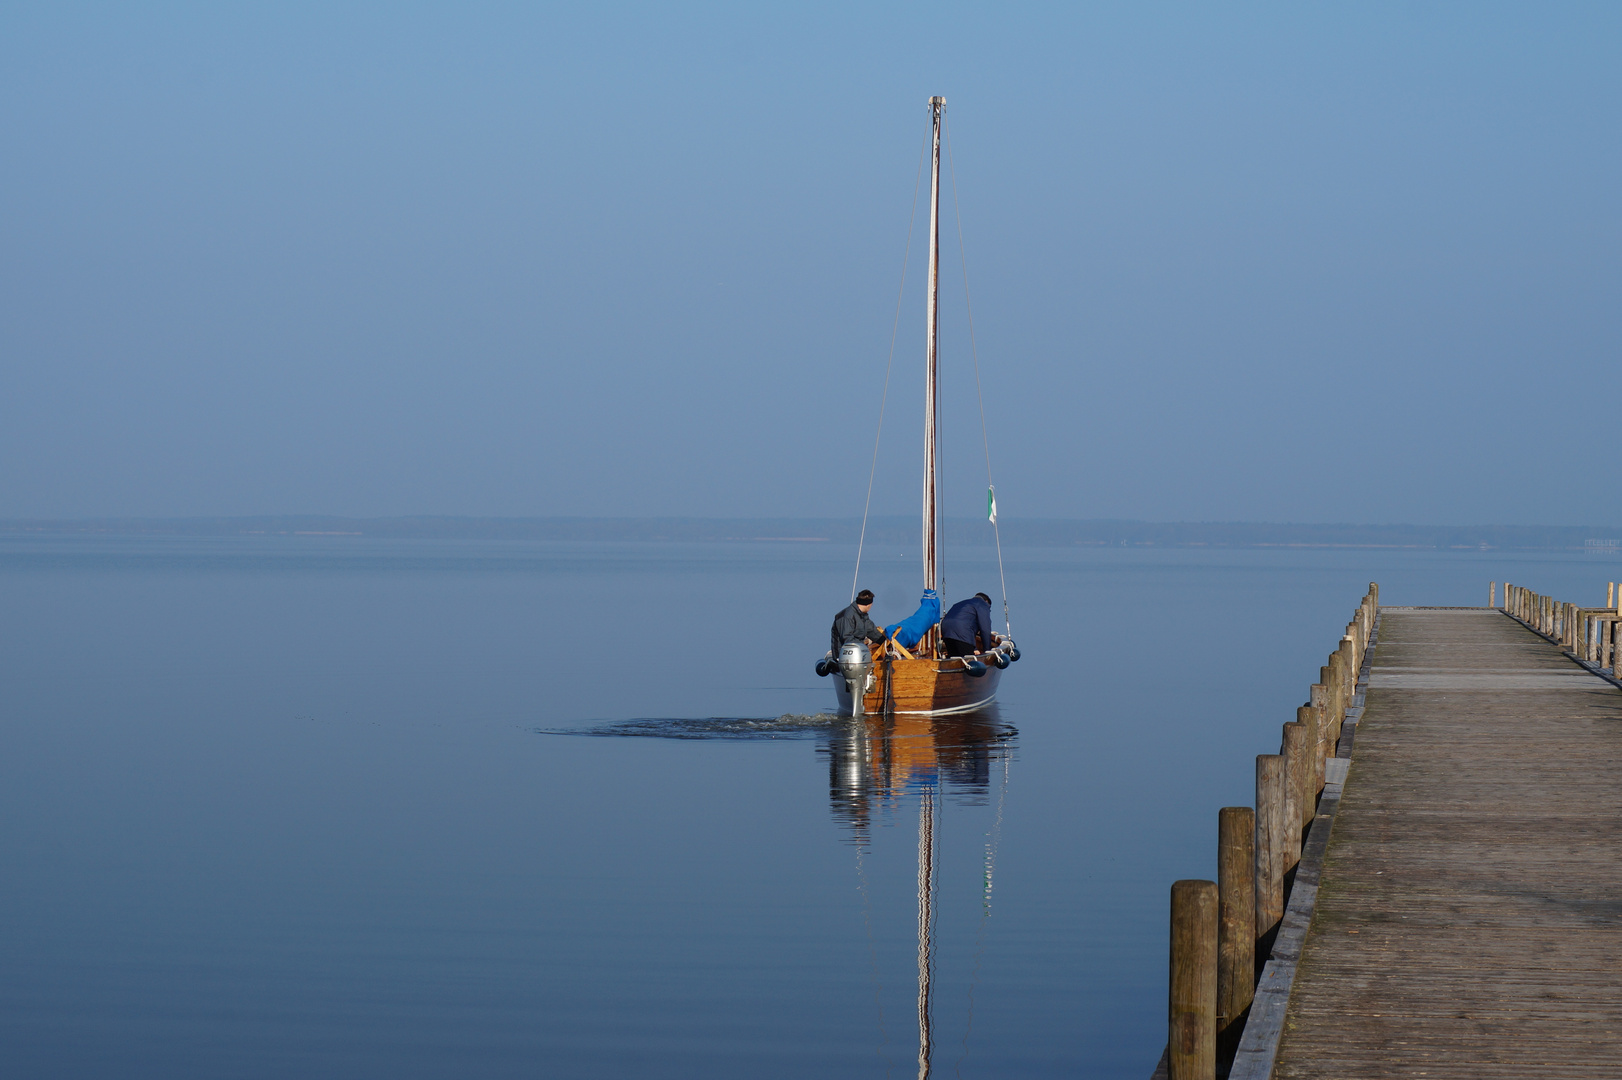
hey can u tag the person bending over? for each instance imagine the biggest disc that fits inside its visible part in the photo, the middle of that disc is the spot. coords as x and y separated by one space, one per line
966 630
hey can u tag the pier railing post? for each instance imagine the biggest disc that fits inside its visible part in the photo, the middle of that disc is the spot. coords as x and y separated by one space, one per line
1191 1010
1236 917
1269 851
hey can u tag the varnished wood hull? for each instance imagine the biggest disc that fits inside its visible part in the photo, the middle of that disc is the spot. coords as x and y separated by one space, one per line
923 687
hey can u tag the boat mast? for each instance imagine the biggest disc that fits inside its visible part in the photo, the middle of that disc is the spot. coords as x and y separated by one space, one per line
937 106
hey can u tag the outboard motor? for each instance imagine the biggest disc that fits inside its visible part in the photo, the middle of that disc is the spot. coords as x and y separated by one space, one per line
856 664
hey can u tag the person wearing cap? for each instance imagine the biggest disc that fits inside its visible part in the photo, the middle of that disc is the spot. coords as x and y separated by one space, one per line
966 629
852 624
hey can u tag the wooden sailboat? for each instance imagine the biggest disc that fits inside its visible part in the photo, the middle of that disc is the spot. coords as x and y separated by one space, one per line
924 680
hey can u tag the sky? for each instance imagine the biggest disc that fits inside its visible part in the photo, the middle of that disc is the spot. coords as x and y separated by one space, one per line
1279 262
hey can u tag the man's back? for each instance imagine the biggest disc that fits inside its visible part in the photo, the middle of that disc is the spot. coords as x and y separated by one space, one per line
968 618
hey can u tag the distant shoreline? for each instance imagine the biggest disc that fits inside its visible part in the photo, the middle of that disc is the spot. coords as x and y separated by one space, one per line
1016 532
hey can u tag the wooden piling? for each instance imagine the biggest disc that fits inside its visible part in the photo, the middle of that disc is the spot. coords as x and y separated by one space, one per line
1318 701
1492 594
1298 802
1191 1012
1236 916
1269 849
1307 718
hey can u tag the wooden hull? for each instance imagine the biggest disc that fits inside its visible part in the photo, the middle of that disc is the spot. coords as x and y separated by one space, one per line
923 687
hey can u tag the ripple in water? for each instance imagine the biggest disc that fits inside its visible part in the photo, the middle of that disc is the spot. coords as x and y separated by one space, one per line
787 726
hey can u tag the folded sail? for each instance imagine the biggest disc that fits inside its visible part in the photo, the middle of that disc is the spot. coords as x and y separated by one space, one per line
911 630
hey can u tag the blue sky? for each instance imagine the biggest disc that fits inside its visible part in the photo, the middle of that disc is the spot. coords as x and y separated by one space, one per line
1238 262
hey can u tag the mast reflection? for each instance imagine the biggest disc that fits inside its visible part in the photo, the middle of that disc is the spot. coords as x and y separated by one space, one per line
875 761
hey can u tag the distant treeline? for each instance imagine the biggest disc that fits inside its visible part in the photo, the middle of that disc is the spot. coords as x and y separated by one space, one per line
1046 532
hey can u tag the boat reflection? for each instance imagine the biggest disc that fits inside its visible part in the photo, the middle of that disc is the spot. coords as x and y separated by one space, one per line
876 762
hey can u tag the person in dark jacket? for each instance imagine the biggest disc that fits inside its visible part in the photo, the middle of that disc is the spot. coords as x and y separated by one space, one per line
966 630
852 624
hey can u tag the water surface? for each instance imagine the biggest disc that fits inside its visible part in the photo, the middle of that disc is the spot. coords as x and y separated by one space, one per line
300 805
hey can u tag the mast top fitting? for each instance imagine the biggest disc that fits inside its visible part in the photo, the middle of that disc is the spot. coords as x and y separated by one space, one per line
937 101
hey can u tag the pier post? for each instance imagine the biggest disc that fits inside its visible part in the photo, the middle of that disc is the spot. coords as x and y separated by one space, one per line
1298 803
1492 594
1191 1011
1330 674
1318 700
1307 718
1269 850
1236 916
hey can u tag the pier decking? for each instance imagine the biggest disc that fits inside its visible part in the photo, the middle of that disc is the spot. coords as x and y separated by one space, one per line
1468 918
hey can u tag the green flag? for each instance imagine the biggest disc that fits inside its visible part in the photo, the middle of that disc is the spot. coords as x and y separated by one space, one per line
991 504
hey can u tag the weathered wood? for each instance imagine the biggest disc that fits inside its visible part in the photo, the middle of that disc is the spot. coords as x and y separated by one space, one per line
1298 804
1318 700
1236 917
1191 1010
1467 922
1270 829
1307 718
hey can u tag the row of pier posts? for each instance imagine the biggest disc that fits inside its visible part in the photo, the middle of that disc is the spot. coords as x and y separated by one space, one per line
1222 931
1588 633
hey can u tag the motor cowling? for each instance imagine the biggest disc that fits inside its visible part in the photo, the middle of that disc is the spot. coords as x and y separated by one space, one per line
855 663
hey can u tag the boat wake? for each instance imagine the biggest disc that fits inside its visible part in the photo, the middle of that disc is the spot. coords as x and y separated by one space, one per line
787 726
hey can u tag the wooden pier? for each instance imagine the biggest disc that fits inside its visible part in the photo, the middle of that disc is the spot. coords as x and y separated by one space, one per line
1469 911
1452 906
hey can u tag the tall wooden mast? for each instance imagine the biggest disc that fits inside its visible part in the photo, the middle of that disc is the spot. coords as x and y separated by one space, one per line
937 106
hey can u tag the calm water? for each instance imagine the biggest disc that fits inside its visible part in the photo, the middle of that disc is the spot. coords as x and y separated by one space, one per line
298 806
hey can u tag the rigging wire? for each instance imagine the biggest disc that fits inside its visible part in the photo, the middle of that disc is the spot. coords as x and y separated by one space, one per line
872 471
963 261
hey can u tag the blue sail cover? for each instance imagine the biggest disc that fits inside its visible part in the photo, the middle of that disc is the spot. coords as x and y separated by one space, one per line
911 630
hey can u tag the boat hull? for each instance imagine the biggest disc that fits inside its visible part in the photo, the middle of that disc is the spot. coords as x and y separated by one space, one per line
923 687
